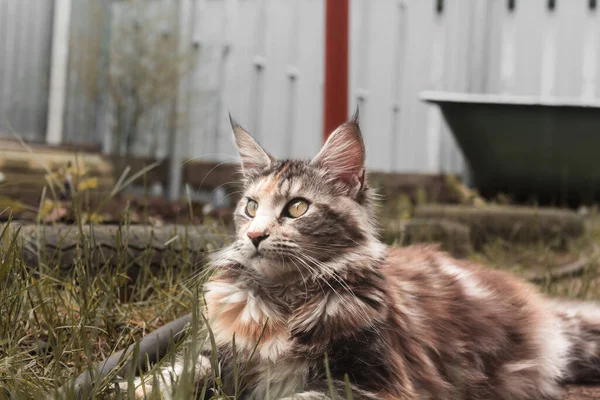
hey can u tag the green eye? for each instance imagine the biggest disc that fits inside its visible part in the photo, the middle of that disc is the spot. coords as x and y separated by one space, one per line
297 208
251 208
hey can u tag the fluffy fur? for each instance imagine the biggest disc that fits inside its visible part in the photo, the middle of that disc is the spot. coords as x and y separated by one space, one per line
396 323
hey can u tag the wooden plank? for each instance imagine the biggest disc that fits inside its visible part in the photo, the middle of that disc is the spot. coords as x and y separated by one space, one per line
25 179
24 171
522 224
39 161
16 145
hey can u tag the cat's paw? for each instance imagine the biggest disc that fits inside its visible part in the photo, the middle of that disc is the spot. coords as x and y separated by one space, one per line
142 389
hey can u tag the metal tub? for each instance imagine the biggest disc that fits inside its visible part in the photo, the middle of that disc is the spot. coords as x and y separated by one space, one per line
543 148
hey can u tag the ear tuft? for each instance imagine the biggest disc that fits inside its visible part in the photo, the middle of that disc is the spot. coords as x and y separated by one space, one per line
354 119
343 154
254 157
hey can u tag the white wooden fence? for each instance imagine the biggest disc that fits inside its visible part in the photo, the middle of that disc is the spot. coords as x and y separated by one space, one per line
263 61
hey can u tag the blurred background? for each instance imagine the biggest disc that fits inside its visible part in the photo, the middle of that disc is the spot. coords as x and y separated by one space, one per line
500 94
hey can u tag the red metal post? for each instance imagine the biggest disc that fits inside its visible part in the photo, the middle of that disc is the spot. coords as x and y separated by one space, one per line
335 105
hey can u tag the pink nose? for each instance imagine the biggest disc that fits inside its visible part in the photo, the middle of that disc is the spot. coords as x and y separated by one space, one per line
257 236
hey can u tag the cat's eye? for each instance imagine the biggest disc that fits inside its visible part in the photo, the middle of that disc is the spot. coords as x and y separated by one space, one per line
251 208
297 208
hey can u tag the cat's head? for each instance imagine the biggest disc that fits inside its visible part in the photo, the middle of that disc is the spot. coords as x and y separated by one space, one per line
300 214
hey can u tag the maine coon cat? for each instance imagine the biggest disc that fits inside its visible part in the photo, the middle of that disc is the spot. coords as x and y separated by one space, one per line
308 275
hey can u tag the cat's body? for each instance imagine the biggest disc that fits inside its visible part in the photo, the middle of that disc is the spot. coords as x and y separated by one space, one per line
307 276
415 325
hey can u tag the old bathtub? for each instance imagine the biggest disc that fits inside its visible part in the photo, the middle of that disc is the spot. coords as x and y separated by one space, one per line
529 147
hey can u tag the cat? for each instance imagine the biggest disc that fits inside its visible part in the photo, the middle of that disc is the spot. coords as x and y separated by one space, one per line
308 276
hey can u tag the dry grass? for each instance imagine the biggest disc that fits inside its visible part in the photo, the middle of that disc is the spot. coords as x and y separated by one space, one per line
522 259
53 327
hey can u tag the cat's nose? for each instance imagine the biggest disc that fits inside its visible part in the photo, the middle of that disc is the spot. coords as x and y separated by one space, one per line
257 236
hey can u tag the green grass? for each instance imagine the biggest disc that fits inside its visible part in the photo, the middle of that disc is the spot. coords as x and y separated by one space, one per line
55 326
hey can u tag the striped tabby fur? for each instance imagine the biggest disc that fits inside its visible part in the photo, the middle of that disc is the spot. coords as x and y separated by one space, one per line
405 323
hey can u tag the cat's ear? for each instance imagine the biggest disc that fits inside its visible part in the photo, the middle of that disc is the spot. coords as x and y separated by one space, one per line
254 157
343 154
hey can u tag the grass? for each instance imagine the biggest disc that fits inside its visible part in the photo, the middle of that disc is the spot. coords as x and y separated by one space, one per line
54 326
541 257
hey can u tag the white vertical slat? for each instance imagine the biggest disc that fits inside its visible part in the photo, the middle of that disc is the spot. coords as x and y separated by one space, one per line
12 46
27 76
508 53
480 31
8 12
528 47
256 85
377 82
259 62
456 75
228 25
309 118
240 85
494 33
434 117
101 120
548 61
292 73
412 141
73 119
58 75
203 140
276 81
589 64
397 80
362 57
570 41
37 55
20 59
3 66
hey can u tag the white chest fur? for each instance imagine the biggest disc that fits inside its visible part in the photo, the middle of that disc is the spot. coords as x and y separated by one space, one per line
237 311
